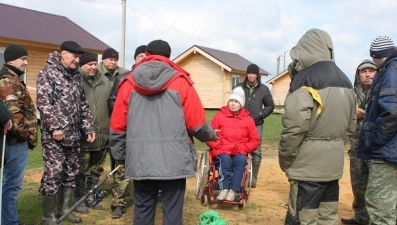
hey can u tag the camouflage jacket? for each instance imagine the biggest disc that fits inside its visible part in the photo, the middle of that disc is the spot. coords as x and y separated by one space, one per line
20 105
62 102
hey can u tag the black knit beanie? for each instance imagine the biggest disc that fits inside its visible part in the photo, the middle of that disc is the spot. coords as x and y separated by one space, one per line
87 57
110 53
253 68
13 52
159 47
72 47
139 50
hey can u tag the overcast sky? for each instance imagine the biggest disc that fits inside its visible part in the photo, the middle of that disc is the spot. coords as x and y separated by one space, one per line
259 30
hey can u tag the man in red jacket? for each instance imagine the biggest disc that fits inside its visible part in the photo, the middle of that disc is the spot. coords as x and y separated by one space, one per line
157 111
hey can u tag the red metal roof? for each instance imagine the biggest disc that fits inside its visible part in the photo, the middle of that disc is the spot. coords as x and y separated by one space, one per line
26 24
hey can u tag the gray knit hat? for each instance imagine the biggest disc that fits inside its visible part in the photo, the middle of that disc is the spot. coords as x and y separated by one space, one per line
381 47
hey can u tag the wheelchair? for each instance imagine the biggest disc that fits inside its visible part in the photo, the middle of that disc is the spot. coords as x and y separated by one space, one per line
207 187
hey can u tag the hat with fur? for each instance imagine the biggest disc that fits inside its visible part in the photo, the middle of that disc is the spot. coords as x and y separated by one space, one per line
238 94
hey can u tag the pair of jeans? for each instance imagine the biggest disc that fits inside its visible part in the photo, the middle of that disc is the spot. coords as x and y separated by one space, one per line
15 159
231 171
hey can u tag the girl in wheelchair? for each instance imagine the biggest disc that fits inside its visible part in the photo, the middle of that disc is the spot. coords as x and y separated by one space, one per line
238 137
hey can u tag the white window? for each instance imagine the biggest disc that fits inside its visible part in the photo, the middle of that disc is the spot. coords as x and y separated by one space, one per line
235 80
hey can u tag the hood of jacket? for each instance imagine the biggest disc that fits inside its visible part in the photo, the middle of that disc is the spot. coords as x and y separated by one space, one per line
314 46
154 74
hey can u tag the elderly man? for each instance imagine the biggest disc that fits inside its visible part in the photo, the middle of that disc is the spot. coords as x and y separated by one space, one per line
108 66
23 133
64 112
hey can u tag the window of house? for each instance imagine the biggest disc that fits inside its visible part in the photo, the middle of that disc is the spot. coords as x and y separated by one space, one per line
235 80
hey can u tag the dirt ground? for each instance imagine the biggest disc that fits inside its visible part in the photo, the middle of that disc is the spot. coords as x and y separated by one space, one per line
264 206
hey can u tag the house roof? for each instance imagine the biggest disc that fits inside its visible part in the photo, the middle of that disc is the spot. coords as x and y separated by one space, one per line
271 81
44 28
227 60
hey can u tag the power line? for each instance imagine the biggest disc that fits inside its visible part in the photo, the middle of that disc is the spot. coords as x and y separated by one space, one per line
171 27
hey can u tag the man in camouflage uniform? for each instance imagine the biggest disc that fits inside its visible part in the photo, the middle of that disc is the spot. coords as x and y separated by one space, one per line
64 111
358 169
92 155
121 185
23 134
377 143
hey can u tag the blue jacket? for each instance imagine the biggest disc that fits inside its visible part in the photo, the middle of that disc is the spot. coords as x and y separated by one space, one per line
378 134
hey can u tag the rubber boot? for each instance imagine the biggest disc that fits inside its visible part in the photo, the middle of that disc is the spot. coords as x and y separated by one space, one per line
65 197
79 193
92 180
255 170
49 217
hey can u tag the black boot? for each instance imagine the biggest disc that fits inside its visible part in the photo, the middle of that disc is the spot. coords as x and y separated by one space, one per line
79 192
49 217
255 170
92 180
65 197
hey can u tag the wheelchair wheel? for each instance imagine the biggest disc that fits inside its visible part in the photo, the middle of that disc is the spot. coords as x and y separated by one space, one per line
248 179
204 199
202 175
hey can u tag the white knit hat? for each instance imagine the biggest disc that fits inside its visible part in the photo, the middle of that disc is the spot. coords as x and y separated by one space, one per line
381 47
238 94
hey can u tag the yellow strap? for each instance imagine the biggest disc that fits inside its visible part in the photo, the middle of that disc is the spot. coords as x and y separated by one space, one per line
316 97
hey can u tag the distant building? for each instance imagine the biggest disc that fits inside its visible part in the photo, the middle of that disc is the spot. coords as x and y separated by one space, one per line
214 72
280 86
40 33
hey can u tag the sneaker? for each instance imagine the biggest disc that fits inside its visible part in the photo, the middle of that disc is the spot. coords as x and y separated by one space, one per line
231 195
222 195
117 212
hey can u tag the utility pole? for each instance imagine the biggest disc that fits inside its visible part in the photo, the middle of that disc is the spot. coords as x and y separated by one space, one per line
278 63
284 58
122 51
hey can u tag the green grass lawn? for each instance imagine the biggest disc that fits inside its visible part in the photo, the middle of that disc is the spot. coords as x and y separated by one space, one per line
29 200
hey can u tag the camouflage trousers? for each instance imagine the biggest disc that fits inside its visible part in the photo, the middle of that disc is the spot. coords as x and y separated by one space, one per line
61 165
91 162
381 194
359 178
120 188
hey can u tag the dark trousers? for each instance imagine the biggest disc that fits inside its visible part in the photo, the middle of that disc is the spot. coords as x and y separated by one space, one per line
145 200
313 203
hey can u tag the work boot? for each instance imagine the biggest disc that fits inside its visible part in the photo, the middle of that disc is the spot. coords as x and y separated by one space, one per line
350 221
48 204
92 181
79 193
255 170
117 212
65 197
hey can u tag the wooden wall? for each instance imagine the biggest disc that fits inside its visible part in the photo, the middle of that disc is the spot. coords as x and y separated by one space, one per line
280 89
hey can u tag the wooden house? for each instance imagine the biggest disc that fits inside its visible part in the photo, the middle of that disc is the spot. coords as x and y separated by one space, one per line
280 86
40 33
214 72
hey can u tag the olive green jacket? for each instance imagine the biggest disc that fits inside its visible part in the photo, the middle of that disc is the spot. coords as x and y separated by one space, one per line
97 92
